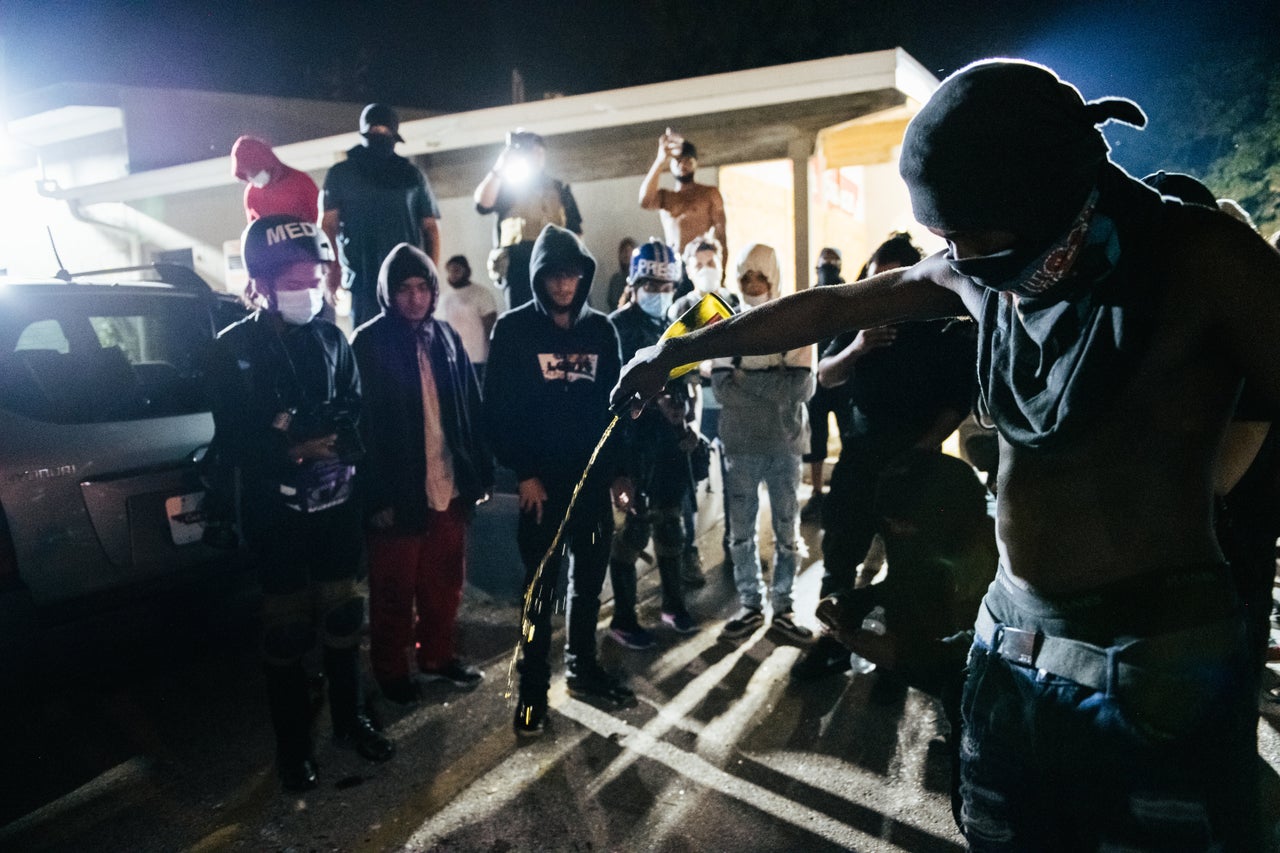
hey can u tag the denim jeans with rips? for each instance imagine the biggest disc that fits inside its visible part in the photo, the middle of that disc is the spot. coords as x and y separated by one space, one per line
781 476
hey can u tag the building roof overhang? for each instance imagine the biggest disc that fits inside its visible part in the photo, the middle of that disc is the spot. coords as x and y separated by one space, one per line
741 116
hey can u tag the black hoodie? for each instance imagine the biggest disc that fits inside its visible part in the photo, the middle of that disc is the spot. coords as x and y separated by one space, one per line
547 388
394 471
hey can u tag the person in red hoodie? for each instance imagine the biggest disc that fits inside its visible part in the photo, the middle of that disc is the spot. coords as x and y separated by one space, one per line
272 187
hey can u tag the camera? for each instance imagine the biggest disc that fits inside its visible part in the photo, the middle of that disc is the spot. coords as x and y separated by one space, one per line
523 140
328 418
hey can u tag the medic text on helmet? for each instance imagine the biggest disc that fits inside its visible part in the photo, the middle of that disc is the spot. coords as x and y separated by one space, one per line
290 231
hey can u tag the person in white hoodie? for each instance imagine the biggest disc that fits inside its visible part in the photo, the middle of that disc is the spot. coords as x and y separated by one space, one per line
764 429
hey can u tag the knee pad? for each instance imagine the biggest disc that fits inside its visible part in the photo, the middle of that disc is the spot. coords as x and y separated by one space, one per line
630 540
341 611
287 630
668 533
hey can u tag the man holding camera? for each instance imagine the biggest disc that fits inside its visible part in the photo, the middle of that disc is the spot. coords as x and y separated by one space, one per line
526 200
691 210
426 468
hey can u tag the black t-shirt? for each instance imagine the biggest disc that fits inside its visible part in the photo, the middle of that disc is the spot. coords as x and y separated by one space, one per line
930 366
381 203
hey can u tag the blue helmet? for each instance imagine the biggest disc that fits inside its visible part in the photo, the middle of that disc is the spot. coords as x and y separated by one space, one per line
657 260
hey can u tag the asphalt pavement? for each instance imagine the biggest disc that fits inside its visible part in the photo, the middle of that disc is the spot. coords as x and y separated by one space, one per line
152 734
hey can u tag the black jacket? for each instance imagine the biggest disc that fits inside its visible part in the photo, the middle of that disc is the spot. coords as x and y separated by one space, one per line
394 472
256 374
548 388
651 443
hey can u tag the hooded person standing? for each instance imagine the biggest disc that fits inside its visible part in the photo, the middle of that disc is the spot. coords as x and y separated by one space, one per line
273 188
764 429
426 467
374 200
552 362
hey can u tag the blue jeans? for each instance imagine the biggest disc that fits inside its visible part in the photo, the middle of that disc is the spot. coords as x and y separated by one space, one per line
1047 764
781 476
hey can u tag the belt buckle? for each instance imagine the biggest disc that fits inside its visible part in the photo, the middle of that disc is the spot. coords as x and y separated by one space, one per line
1018 645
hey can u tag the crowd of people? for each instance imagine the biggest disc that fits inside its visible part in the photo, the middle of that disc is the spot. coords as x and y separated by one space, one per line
1096 655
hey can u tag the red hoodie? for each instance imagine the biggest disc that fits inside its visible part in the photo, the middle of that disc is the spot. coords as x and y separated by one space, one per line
288 190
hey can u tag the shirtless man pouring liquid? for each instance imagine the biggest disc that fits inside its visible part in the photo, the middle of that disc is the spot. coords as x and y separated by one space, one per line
1107 696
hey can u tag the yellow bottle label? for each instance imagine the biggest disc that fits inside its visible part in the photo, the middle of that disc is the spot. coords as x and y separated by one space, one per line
709 309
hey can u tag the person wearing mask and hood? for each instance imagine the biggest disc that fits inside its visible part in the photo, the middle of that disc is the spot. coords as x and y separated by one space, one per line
285 395
552 363
659 443
273 188
764 431
426 468
374 200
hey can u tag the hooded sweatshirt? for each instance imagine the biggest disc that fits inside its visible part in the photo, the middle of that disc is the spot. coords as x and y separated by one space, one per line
762 397
548 387
394 471
287 191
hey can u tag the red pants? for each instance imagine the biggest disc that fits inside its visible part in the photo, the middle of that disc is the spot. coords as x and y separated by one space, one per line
422 569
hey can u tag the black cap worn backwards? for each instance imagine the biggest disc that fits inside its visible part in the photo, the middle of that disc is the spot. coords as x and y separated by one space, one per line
380 114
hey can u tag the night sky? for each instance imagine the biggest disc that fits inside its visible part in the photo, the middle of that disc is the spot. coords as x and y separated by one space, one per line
453 56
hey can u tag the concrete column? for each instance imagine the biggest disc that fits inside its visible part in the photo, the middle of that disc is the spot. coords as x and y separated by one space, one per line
800 150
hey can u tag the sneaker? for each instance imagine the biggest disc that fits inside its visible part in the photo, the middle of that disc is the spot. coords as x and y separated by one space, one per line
601 686
826 657
691 570
455 672
365 740
681 623
785 624
744 622
399 691
633 638
531 717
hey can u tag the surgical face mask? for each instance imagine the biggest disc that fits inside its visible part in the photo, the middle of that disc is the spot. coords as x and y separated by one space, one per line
654 304
261 179
755 301
299 307
706 279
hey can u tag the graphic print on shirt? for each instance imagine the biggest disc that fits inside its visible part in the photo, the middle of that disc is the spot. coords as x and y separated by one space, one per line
569 367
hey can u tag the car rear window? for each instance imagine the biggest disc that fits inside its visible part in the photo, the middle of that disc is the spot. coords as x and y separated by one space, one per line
88 357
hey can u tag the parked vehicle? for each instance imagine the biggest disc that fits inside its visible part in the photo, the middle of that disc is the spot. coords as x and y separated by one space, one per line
103 416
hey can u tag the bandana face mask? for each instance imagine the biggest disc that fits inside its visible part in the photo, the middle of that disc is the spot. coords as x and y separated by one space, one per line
1016 269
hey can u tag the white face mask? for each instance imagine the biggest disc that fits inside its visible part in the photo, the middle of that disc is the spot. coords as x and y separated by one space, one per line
755 301
706 279
654 304
299 307
261 179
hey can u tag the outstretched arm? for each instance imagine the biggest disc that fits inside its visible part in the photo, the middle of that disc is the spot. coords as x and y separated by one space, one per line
926 291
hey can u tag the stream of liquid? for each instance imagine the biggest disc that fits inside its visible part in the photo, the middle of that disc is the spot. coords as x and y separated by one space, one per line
532 597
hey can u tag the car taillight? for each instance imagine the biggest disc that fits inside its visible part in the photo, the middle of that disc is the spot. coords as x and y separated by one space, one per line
8 557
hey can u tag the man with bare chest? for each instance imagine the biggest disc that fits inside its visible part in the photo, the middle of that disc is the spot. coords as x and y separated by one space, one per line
691 210
1108 692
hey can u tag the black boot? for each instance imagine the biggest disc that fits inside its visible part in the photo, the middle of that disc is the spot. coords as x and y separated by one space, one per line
350 726
290 703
